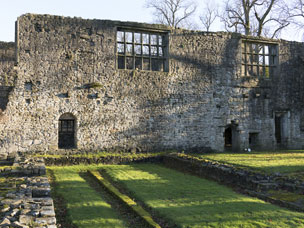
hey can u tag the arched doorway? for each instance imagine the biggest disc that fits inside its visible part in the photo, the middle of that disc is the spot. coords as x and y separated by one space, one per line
66 131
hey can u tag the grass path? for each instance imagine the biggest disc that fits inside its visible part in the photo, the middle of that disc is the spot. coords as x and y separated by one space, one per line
270 162
194 202
86 207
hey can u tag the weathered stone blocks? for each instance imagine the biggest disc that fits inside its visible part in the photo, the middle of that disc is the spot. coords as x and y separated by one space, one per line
187 108
28 203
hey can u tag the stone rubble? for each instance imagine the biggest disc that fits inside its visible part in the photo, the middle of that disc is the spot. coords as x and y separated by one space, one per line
28 203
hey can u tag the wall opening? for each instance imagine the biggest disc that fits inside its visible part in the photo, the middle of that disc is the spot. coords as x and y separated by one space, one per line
278 133
253 140
228 138
66 131
282 128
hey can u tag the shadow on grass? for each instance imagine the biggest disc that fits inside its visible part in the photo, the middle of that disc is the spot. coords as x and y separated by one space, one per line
128 216
85 207
62 217
191 201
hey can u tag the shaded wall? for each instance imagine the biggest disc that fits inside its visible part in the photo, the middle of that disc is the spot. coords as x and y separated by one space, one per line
187 108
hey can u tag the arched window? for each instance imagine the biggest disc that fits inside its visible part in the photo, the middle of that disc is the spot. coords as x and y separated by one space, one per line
66 131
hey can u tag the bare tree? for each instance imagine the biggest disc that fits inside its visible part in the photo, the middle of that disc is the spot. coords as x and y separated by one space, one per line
174 13
296 12
297 8
208 16
256 17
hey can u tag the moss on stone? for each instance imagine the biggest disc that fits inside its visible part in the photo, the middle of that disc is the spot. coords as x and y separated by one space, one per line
285 196
94 85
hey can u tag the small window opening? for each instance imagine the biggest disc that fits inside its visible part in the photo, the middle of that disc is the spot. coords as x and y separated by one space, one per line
28 86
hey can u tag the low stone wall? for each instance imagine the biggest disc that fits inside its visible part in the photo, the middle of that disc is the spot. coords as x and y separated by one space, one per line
231 175
29 202
102 159
248 182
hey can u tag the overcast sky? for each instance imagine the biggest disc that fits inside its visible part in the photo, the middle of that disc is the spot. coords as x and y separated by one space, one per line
125 10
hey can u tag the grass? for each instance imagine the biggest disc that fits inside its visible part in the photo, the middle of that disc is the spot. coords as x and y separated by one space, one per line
126 200
286 196
194 202
269 162
86 208
8 184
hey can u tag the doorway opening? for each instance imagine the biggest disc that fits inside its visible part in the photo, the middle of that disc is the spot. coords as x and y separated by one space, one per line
278 133
66 131
253 140
228 138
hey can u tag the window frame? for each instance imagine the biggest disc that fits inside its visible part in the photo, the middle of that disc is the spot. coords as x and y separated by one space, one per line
259 59
131 54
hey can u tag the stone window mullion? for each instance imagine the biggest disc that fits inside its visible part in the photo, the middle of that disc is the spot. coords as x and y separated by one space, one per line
149 57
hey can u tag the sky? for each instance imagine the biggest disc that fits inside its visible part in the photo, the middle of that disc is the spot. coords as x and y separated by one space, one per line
124 10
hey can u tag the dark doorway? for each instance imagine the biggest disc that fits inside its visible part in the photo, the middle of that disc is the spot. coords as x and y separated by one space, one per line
278 133
66 139
228 138
253 140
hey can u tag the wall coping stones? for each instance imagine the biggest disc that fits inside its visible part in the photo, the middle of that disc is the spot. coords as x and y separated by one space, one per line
45 17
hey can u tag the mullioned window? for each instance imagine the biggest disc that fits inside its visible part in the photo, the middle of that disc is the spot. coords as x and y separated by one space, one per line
259 59
138 50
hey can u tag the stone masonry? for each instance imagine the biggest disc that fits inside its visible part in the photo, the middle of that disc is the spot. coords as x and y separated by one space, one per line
66 68
28 201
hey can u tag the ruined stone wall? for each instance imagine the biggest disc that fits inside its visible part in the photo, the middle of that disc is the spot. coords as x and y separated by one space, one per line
7 62
189 107
8 71
288 94
59 57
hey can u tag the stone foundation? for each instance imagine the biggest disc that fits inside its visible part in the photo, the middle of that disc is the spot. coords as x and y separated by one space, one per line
29 202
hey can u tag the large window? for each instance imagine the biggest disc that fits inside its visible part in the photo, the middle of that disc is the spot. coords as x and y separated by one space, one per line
258 59
141 50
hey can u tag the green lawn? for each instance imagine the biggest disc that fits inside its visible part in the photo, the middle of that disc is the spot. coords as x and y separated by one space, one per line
270 162
86 207
194 202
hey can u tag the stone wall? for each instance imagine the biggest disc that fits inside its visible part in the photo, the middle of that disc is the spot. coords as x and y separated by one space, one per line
28 201
7 62
8 71
187 108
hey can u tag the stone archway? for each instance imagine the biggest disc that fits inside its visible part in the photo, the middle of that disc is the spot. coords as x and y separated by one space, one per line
67 131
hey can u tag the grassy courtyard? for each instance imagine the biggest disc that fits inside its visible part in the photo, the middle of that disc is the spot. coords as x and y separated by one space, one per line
189 201
86 207
270 162
181 199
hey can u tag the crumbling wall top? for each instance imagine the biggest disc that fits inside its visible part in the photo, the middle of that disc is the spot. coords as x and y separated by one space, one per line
96 22
7 51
